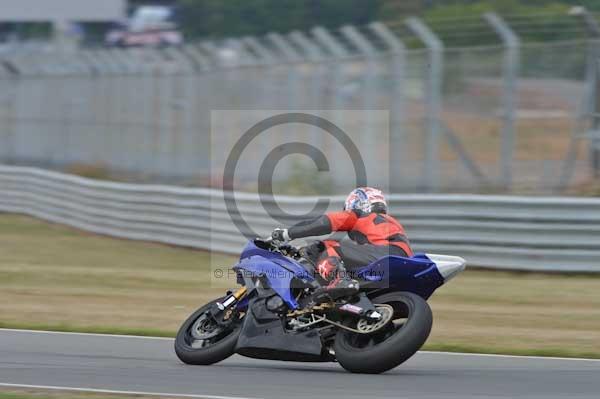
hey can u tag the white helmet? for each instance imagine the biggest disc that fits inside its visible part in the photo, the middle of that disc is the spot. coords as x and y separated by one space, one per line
366 200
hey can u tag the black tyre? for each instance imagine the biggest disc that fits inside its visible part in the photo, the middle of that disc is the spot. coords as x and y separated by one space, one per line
392 345
201 341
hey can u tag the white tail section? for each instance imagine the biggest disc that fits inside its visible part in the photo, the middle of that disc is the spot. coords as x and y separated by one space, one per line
448 266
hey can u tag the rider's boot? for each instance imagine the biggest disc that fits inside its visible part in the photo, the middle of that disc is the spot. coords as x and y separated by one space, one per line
340 284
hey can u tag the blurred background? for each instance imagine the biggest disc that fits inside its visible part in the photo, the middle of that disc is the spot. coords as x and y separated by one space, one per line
484 96
116 118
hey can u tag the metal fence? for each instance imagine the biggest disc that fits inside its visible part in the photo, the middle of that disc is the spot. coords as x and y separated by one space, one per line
504 232
504 117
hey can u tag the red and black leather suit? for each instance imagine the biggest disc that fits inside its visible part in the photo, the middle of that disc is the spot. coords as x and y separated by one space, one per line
372 236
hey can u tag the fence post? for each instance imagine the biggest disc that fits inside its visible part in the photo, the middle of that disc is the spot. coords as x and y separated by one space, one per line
370 134
291 57
179 82
198 60
18 112
9 80
5 97
316 57
265 54
201 83
397 132
510 69
338 51
282 45
593 78
433 101
267 73
336 71
269 60
595 131
182 63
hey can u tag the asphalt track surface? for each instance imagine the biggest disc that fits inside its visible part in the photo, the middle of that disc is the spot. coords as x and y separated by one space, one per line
149 365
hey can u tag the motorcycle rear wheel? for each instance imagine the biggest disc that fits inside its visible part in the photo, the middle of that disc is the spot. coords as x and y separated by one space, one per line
392 345
219 342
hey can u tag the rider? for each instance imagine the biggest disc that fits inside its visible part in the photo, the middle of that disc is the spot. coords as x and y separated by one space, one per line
373 234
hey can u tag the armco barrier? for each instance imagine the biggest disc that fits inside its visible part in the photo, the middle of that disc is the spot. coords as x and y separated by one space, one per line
526 233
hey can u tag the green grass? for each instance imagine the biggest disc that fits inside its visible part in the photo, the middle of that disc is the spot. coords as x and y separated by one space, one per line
61 279
16 396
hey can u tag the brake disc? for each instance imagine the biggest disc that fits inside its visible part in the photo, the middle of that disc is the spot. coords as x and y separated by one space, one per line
366 325
204 328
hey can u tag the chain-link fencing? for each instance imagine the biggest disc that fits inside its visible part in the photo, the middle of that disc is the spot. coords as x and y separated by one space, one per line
495 118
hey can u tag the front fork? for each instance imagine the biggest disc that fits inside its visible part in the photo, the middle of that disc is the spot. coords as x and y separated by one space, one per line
232 298
223 311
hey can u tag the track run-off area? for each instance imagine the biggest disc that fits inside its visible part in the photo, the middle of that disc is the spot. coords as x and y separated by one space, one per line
146 365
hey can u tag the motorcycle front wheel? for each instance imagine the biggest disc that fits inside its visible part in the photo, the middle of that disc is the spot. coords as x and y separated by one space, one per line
392 345
202 341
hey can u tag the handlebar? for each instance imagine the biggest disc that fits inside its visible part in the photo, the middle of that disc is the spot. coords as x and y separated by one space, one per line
275 246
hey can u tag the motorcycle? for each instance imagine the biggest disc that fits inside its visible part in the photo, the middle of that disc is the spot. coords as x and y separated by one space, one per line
279 313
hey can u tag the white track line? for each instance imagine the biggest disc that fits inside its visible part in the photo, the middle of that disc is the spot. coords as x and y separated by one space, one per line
583 359
85 334
111 391
425 352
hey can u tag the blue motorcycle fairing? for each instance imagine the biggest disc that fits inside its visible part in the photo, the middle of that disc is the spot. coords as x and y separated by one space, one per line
417 274
278 269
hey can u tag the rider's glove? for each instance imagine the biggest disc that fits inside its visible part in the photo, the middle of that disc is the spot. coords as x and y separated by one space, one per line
280 235
312 251
288 250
